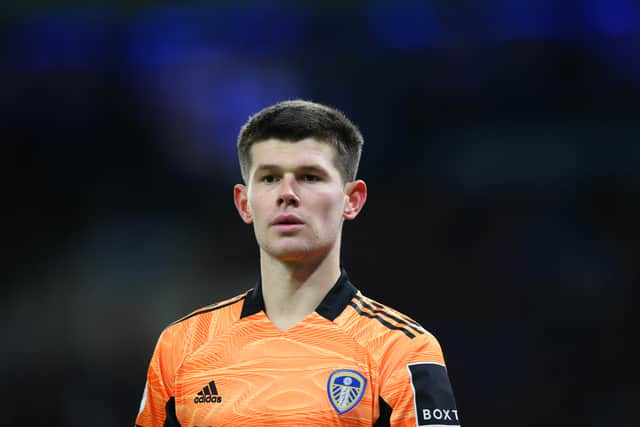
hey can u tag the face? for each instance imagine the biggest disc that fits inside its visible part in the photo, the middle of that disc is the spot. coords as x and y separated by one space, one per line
296 199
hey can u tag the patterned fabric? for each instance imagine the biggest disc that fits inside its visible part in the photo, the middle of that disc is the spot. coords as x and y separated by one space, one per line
345 364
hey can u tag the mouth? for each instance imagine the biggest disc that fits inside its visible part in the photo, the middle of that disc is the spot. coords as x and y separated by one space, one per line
287 223
287 220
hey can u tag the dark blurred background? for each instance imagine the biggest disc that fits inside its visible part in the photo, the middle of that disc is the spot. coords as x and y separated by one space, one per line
502 156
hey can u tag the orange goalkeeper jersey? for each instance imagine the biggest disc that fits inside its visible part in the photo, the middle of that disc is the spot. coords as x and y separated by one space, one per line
352 362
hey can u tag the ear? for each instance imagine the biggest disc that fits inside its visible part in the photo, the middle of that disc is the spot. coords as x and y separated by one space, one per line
242 203
356 192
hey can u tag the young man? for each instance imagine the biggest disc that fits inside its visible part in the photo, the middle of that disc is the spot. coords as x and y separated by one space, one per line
304 347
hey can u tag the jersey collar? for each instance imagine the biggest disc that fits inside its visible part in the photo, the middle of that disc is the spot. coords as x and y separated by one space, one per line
330 307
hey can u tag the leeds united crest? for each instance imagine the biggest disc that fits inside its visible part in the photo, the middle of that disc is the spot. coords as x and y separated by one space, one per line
345 388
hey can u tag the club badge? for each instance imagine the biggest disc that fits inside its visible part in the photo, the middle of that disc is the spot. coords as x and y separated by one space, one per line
345 388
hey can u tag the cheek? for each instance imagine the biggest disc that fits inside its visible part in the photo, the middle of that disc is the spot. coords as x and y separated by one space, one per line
333 211
255 204
255 212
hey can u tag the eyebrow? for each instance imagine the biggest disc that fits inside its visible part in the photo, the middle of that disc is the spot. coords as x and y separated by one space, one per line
303 168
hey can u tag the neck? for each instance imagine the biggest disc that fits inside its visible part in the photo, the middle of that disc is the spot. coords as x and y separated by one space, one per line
293 290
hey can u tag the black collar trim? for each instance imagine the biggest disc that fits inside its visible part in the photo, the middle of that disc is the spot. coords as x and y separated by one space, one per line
253 303
330 307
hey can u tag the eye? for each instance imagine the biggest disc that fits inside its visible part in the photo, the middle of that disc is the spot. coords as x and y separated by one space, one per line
310 177
268 179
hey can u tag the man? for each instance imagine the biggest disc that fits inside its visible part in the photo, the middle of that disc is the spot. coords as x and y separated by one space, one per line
305 346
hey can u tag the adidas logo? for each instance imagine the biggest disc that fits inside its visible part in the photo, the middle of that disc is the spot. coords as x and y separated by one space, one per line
209 394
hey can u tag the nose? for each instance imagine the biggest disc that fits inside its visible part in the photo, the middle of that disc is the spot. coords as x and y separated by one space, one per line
288 194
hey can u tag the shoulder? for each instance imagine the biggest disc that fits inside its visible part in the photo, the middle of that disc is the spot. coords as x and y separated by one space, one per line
385 330
381 318
215 309
201 323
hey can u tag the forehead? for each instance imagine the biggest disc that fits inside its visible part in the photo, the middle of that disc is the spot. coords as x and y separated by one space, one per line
287 154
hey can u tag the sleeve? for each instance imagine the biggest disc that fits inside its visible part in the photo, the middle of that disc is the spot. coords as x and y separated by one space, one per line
415 385
157 408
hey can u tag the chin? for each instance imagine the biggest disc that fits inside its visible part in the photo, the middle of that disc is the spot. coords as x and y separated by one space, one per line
292 255
295 253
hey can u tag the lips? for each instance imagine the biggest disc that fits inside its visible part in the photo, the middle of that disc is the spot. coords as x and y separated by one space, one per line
287 224
286 220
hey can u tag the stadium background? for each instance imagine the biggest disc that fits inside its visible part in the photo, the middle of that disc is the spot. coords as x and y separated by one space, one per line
502 157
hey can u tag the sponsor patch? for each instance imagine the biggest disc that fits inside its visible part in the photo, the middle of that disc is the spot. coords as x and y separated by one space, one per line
345 388
434 402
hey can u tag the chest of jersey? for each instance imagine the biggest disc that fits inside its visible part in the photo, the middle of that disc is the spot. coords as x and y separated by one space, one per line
255 375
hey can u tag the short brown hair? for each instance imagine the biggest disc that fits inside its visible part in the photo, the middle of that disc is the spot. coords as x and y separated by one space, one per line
295 120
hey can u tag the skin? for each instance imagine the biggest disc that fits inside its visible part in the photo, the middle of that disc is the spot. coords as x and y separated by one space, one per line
299 263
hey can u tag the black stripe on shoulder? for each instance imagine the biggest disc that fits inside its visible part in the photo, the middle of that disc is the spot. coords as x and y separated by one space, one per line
381 320
400 315
213 307
382 310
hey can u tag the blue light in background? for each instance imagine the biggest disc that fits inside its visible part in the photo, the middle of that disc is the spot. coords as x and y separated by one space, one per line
525 19
410 24
69 39
618 20
76 38
170 34
234 98
612 17
207 69
198 107
163 35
